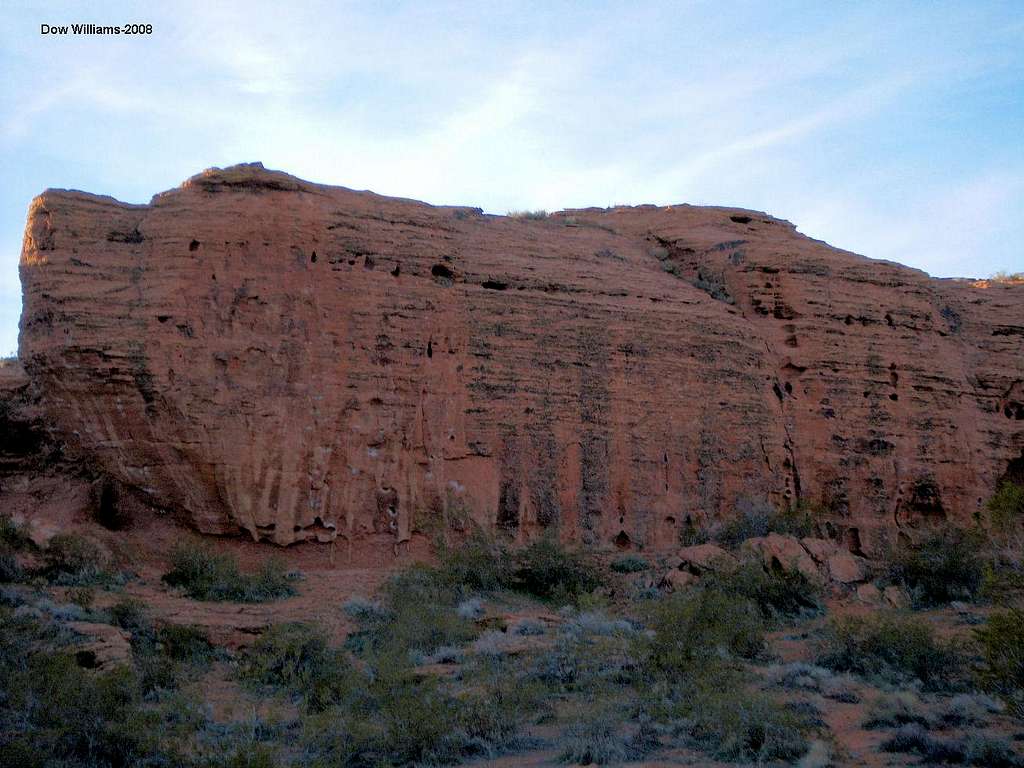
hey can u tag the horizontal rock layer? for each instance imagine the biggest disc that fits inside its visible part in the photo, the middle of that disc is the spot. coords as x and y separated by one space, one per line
254 352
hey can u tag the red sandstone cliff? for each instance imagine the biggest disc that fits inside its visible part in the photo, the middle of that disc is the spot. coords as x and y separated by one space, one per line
252 351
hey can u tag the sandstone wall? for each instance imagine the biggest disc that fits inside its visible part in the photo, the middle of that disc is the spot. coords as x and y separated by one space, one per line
254 352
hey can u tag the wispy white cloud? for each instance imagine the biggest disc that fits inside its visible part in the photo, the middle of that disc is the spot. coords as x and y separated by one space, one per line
894 132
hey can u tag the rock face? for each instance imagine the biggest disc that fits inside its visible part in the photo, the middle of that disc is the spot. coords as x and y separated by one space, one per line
256 353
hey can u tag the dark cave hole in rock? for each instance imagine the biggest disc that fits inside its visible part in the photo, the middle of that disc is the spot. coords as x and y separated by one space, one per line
848 320
494 285
110 512
312 257
778 391
430 348
367 262
1014 471
740 219
86 659
894 397
926 499
397 270
194 245
622 541
1014 411
789 388
851 540
442 274
163 318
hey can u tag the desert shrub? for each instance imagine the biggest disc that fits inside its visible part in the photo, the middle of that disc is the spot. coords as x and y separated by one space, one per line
206 575
798 676
492 713
10 569
756 517
1002 583
896 709
546 569
13 536
538 215
83 597
246 756
185 643
594 740
131 615
298 658
590 656
423 614
363 611
974 709
75 560
527 626
892 649
693 627
480 563
974 749
470 609
630 564
1003 276
405 720
1006 508
728 720
61 714
1002 649
946 565
691 535
778 594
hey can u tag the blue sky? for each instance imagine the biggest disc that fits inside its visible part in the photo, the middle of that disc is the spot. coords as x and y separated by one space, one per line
894 129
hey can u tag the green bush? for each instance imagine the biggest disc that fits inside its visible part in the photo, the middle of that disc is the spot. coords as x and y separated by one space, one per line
61 714
131 615
712 702
207 575
420 617
630 564
13 536
546 569
691 628
595 740
979 750
298 658
10 569
75 560
893 649
1002 649
1002 583
946 565
777 593
756 518
479 563
1006 508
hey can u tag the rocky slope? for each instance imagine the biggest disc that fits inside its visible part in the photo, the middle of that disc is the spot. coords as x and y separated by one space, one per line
254 352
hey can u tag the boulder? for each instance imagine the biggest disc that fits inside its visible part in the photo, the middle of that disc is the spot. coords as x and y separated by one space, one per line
896 597
820 549
846 568
676 580
706 557
104 646
785 552
869 594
